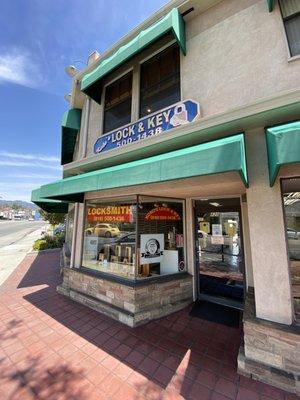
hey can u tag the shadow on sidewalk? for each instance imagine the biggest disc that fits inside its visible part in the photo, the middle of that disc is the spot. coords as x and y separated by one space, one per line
178 353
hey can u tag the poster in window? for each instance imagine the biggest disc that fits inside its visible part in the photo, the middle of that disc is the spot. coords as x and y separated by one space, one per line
152 248
216 229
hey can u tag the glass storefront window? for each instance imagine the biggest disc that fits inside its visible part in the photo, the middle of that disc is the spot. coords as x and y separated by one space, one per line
291 206
161 237
134 238
109 238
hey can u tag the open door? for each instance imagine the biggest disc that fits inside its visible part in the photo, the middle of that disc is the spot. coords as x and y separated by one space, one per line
219 251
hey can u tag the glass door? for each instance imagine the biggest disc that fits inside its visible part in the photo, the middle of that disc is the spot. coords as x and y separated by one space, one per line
219 251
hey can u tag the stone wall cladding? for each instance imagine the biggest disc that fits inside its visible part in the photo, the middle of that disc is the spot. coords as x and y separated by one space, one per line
271 351
132 305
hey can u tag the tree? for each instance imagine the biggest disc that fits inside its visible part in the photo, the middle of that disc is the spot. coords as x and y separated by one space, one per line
16 206
53 218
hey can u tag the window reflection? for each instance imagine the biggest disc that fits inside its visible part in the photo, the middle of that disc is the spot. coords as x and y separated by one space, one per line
117 107
109 238
160 81
291 203
161 237
135 239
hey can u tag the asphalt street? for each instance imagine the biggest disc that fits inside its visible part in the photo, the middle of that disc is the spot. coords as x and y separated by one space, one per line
16 239
13 231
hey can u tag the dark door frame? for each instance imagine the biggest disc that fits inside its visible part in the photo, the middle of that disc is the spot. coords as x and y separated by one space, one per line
210 298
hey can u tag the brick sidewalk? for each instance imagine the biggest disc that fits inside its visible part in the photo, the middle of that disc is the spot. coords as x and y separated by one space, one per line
53 348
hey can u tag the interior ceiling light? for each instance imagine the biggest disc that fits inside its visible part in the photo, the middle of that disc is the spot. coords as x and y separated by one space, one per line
215 204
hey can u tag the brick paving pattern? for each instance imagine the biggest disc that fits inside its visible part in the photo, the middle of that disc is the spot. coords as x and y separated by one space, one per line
52 348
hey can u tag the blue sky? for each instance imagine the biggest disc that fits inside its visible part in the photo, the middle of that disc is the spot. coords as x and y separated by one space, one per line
38 39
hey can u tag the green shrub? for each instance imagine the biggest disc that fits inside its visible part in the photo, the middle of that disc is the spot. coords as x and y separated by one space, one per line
48 242
39 244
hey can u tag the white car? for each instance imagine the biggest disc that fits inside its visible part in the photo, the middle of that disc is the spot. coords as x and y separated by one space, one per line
106 230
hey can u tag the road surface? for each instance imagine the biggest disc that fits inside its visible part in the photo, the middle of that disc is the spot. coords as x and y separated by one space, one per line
16 238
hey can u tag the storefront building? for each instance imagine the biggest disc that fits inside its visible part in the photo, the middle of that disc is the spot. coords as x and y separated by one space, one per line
181 175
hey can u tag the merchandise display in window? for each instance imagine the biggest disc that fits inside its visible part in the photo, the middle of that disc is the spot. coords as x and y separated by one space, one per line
136 239
109 238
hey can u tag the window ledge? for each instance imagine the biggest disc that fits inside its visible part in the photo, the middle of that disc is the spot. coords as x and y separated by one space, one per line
133 283
294 58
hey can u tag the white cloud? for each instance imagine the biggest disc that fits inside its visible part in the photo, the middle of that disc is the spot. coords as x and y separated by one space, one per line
32 176
17 66
8 163
20 186
29 156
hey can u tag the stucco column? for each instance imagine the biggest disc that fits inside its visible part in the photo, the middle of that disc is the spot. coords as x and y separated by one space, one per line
190 243
247 245
73 246
79 235
271 277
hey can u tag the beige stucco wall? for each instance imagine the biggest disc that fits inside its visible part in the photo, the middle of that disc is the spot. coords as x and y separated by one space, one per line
267 236
236 54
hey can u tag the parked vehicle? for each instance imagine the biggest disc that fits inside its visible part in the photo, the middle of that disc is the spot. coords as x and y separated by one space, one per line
60 229
106 230
292 234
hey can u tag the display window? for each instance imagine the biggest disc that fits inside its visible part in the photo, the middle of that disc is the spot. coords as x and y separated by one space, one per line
291 206
110 237
134 238
161 237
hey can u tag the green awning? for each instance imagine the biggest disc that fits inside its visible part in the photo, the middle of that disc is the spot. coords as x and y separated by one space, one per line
172 22
283 145
69 129
270 5
48 205
222 155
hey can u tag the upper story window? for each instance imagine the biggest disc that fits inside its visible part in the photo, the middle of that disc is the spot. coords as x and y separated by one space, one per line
290 10
160 81
117 106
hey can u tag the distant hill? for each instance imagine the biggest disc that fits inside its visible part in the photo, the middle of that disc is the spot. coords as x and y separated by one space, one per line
22 204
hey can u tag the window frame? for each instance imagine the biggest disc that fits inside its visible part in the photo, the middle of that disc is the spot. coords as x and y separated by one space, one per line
134 67
290 260
146 59
135 199
129 70
284 20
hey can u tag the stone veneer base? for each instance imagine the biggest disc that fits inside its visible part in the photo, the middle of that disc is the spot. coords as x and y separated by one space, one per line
271 351
130 304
